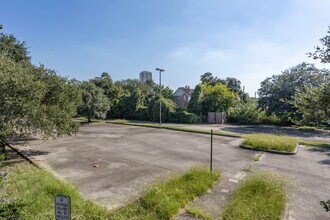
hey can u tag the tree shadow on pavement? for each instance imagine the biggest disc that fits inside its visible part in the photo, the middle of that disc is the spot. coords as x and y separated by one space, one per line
271 129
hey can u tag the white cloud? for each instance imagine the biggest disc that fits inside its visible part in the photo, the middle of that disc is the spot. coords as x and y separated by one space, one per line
259 52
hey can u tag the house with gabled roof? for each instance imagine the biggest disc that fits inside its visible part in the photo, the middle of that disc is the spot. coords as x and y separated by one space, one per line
182 96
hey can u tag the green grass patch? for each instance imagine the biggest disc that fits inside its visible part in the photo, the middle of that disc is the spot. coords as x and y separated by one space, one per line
257 157
321 145
198 213
175 128
307 129
261 196
30 193
164 200
270 142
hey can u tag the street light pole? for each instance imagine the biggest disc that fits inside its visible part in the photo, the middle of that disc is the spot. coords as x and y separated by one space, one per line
160 94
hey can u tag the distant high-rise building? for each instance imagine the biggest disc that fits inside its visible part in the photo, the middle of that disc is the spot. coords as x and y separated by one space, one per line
145 76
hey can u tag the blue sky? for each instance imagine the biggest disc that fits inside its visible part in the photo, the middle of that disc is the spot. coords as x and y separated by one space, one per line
246 39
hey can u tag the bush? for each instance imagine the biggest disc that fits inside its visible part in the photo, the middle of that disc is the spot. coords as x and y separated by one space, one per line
183 116
249 113
244 113
141 113
272 119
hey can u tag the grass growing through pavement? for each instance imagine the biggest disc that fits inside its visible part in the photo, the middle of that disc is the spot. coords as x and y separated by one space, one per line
29 194
261 196
270 142
164 200
198 213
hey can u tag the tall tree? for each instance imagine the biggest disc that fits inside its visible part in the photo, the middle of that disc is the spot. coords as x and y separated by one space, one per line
208 78
33 100
233 84
277 92
113 91
94 103
13 48
313 104
211 98
323 53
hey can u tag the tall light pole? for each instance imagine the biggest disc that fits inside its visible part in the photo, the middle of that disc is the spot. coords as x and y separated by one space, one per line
160 94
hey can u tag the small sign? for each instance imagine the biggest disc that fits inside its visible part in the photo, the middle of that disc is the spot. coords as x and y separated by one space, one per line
62 207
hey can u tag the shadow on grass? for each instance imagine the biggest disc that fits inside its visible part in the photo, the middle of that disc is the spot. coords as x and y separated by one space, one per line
12 158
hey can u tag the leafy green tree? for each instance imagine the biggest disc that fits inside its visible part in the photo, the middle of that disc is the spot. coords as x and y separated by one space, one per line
244 113
194 104
276 94
314 104
130 104
234 84
12 48
217 98
208 78
211 98
94 103
113 91
323 53
168 107
34 100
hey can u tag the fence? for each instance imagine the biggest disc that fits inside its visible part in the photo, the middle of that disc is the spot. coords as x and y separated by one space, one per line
216 118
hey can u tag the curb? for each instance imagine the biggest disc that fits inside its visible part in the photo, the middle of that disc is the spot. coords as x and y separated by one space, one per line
174 129
22 155
270 151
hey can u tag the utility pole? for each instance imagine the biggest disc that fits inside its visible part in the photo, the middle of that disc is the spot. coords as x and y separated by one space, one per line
160 94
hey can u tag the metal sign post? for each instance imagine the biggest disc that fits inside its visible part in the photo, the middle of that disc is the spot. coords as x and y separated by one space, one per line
62 207
211 156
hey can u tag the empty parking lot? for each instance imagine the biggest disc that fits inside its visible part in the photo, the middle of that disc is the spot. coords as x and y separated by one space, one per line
126 158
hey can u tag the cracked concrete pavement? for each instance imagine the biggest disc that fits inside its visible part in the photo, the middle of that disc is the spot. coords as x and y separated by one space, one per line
128 158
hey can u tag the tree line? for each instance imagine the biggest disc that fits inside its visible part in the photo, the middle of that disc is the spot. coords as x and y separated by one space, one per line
36 100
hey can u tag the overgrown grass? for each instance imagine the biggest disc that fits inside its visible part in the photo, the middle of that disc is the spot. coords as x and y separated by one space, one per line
261 196
29 194
198 213
164 200
175 128
307 129
270 142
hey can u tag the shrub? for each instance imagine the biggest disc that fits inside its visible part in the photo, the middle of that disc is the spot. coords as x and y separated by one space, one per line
183 116
142 113
272 119
244 113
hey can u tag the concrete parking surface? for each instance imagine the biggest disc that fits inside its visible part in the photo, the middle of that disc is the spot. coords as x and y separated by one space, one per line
309 176
126 158
114 164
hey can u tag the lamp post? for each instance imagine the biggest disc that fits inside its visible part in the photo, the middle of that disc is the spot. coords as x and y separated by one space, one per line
160 94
